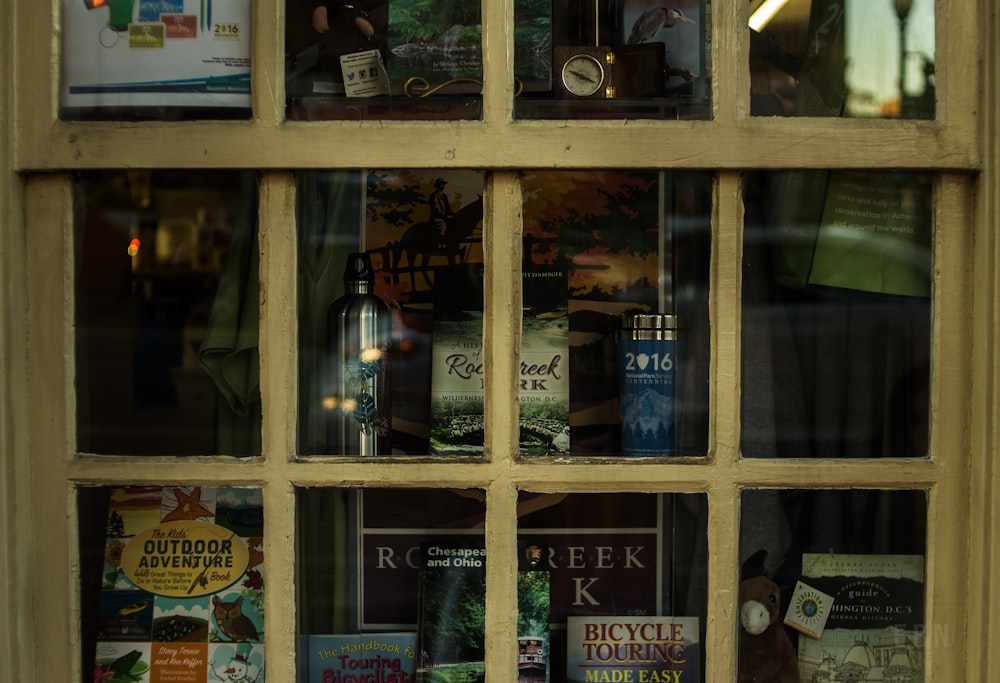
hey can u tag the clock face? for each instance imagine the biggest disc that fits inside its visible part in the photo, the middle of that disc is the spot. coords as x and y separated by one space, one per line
582 75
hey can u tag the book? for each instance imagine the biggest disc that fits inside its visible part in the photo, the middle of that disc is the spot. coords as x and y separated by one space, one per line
452 610
544 389
622 649
457 372
182 590
533 609
355 657
875 627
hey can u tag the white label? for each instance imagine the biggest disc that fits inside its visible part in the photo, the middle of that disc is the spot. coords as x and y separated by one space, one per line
808 610
364 74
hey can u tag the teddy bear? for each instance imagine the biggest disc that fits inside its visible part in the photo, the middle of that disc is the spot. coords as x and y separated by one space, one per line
766 652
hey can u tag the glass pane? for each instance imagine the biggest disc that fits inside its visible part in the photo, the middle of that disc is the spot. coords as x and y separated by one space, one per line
615 313
404 572
845 571
836 314
416 310
634 59
407 59
391 580
628 584
155 59
172 583
855 58
166 299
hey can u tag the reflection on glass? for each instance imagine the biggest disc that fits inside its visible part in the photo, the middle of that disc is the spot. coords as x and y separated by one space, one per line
847 570
166 313
854 58
169 59
615 313
403 568
422 232
407 59
602 59
836 314
627 583
171 576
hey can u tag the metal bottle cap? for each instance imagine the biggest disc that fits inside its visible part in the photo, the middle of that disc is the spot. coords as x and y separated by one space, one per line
359 270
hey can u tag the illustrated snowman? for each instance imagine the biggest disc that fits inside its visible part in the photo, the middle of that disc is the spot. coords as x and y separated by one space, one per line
239 668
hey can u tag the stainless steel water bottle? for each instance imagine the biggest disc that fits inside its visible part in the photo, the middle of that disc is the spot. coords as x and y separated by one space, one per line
652 350
359 326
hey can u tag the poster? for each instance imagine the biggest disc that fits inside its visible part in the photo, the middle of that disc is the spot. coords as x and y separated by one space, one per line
155 53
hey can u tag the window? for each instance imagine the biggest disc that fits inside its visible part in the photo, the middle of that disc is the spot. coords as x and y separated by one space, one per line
945 470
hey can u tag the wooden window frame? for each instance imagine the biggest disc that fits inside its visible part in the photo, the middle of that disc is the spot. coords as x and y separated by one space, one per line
39 639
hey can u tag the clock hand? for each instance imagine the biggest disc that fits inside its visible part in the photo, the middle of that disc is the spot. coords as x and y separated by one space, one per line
582 76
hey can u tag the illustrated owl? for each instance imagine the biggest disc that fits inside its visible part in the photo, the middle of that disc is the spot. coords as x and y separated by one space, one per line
232 623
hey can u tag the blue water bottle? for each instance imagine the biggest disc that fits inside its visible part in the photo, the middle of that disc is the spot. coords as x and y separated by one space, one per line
652 349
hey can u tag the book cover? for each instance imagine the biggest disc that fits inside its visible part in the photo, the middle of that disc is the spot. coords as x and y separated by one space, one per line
457 373
357 657
441 46
875 627
533 609
182 593
452 611
544 389
603 555
633 649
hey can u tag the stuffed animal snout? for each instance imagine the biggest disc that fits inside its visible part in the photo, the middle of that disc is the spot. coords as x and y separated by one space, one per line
755 617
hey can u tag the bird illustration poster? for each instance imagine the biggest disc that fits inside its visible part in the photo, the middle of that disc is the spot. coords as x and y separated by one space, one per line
182 593
683 26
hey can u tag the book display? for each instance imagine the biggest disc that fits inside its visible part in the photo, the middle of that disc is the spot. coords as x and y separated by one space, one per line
596 246
875 627
411 566
412 59
182 590
629 247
